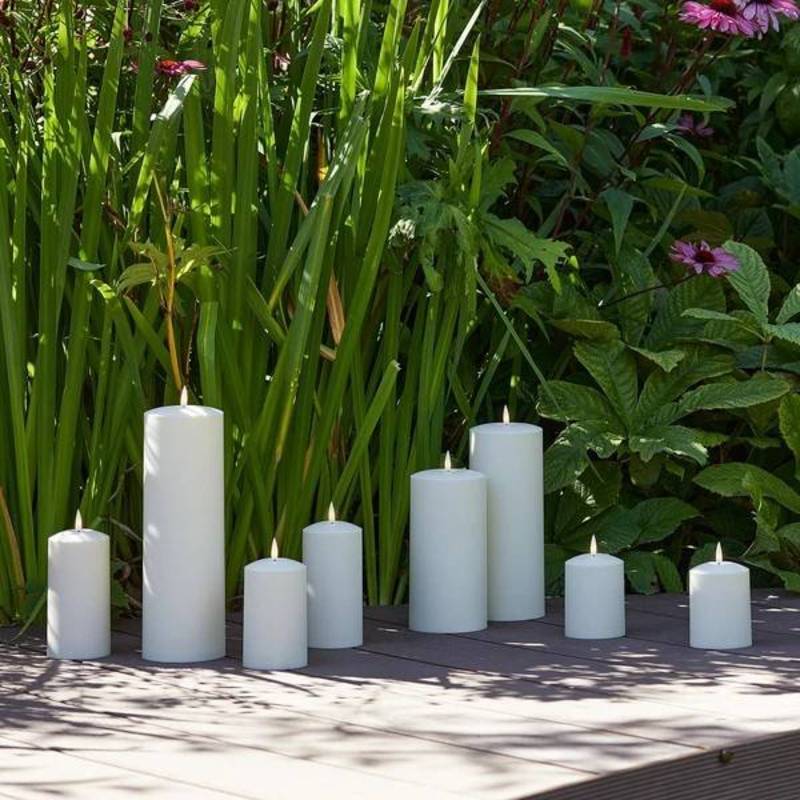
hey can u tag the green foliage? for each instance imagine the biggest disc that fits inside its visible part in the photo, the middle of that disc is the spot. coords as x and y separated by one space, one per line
362 228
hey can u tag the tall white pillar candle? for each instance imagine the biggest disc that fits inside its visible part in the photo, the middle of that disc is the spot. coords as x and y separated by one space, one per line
719 605
447 571
510 455
78 594
275 634
332 554
594 596
183 597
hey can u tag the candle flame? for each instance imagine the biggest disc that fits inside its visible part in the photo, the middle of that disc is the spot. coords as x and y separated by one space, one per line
448 462
506 416
719 553
331 513
274 551
593 545
184 396
78 521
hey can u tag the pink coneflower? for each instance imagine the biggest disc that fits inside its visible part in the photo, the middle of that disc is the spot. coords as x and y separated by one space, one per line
173 69
702 258
686 124
722 16
763 14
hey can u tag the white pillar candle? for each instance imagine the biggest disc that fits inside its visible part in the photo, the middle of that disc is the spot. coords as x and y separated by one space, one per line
447 570
78 593
275 634
510 455
719 605
594 596
332 554
183 597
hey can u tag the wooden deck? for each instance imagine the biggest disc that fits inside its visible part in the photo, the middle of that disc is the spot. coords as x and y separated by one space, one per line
515 711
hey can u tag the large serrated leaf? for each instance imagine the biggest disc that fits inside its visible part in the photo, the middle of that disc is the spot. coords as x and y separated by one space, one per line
571 401
789 420
751 280
614 369
735 480
732 394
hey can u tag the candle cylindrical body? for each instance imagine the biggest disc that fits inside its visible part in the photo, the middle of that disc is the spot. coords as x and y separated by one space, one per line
275 634
332 554
594 597
78 595
719 606
510 455
447 570
183 596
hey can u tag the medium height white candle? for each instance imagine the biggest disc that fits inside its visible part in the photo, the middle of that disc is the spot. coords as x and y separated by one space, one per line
594 596
183 597
719 605
78 593
332 554
510 455
275 633
447 571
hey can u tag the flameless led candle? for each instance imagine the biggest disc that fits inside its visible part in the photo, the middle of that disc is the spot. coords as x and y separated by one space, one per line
719 605
183 597
447 551
275 634
332 554
509 454
594 596
78 593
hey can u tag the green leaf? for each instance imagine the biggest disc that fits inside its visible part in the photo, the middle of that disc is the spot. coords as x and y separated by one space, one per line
707 313
733 480
537 140
732 394
84 266
789 420
673 439
665 359
595 329
571 401
751 280
640 570
667 572
790 307
788 332
619 204
659 517
615 95
614 369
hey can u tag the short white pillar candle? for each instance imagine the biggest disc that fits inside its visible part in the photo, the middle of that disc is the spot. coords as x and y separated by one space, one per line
719 605
447 571
510 455
78 593
275 632
183 596
332 554
594 596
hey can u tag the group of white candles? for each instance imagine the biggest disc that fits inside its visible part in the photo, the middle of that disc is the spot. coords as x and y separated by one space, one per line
476 555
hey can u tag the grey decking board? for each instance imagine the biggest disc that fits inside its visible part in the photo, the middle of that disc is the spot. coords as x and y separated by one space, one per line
530 688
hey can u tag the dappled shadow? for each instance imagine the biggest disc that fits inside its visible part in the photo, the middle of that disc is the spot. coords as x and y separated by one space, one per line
499 713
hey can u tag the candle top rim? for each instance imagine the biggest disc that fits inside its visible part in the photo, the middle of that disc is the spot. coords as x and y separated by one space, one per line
185 412
507 428
332 528
78 535
720 567
280 564
450 474
594 558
